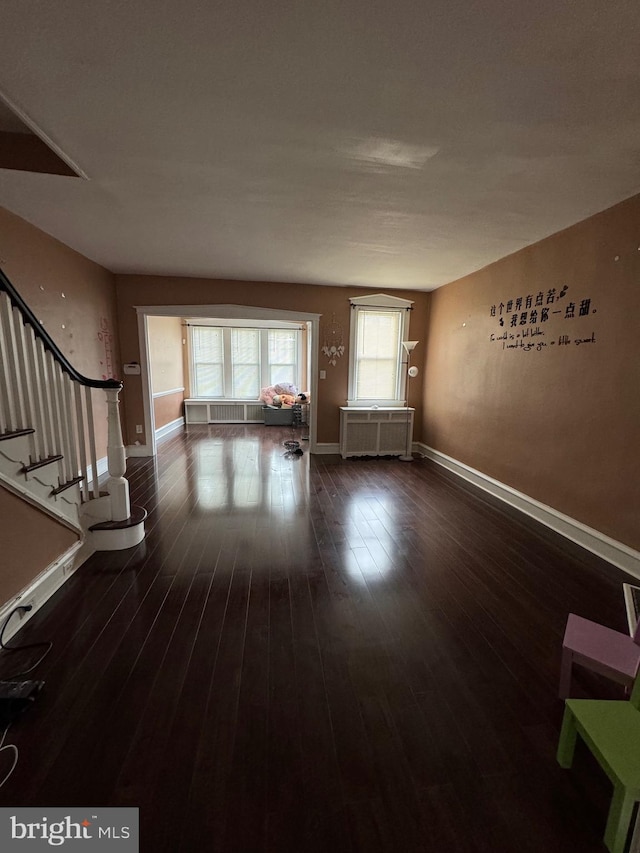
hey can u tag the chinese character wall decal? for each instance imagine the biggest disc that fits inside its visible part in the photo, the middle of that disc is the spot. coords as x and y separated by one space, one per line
333 341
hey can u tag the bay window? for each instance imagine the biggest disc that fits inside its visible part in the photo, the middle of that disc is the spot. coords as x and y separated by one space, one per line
235 363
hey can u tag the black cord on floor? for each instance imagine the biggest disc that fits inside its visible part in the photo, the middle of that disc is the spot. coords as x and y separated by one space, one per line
3 645
48 646
12 746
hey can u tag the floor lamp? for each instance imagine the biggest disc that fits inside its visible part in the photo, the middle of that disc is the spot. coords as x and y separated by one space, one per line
412 372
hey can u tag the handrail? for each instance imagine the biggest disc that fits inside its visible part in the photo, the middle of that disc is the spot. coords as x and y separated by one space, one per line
49 344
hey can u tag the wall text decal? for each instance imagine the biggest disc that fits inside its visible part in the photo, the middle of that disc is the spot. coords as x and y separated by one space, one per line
531 322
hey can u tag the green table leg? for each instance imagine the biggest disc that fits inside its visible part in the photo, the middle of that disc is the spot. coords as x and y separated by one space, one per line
620 812
567 742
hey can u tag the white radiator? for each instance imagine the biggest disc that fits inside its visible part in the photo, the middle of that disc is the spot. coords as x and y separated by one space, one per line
375 432
222 412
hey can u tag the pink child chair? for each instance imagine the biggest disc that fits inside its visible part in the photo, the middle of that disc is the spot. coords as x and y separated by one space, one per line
601 649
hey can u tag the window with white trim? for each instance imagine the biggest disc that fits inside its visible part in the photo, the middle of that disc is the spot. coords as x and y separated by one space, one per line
379 324
245 364
235 363
282 355
207 362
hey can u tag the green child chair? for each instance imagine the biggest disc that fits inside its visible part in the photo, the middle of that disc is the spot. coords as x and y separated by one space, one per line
611 730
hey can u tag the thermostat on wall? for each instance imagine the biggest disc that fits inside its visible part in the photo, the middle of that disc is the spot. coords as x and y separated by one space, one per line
132 368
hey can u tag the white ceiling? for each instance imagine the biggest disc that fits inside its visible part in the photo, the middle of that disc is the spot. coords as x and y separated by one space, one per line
386 144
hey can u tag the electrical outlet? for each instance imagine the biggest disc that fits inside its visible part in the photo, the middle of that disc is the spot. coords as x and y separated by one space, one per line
138 429
30 603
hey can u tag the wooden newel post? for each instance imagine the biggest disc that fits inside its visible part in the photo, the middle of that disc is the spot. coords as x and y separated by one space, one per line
117 485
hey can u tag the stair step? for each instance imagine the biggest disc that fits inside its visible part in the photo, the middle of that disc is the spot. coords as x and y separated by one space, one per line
35 465
64 486
15 433
138 514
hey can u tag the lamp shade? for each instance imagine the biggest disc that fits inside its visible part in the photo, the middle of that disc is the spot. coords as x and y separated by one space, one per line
410 345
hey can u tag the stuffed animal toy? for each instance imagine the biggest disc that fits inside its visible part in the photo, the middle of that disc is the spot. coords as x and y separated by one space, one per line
303 397
284 400
267 394
286 388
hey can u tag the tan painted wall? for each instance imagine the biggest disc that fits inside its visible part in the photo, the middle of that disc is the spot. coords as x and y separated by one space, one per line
166 362
168 408
42 269
165 353
332 392
556 419
28 544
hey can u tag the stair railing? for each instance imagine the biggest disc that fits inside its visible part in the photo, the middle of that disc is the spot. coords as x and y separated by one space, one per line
43 395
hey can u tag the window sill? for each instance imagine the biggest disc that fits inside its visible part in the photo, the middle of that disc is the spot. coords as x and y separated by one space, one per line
379 404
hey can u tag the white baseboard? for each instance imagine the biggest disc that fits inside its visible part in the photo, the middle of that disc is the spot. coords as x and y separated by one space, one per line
325 448
138 450
592 540
44 586
167 429
102 466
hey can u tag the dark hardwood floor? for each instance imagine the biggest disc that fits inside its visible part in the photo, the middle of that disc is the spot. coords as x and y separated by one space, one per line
309 654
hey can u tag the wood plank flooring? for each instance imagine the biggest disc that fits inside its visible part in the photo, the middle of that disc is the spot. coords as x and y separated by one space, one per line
309 654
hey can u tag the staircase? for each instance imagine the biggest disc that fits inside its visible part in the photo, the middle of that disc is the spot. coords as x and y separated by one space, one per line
48 441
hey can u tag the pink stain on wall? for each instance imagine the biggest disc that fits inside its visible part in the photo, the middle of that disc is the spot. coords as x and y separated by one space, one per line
106 338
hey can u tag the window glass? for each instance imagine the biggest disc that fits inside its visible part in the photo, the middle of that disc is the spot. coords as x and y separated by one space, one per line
245 363
208 361
283 355
377 354
236 363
